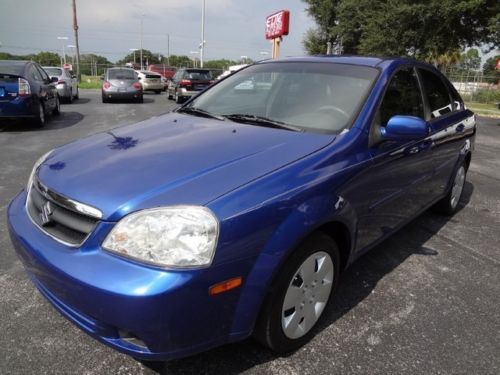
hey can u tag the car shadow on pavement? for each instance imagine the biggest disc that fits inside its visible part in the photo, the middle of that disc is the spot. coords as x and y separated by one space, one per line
82 101
65 119
357 283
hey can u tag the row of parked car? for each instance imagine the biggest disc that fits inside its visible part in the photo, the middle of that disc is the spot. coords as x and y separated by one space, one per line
30 91
126 83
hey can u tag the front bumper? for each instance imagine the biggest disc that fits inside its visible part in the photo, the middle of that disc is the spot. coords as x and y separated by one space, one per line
145 312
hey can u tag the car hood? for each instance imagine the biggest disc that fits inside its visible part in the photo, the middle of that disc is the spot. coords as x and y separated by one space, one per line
173 159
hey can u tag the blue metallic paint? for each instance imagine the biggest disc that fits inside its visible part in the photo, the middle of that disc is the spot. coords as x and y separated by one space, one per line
269 189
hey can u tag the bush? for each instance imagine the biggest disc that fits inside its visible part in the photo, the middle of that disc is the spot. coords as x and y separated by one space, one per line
491 95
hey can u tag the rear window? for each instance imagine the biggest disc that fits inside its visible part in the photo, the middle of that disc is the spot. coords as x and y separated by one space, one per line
121 74
53 71
198 74
7 67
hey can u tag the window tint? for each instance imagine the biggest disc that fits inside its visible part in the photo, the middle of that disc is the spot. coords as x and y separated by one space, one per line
437 94
55 72
121 74
43 74
198 75
34 73
402 97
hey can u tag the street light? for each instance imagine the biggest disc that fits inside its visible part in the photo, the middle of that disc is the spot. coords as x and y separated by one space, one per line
202 44
62 39
142 21
133 50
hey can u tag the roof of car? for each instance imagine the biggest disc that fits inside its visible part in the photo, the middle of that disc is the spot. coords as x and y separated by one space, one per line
344 59
14 62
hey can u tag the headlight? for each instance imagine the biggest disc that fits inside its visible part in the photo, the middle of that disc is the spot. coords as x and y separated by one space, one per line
35 169
177 237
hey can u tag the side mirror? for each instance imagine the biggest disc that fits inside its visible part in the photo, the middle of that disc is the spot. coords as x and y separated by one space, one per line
401 128
54 79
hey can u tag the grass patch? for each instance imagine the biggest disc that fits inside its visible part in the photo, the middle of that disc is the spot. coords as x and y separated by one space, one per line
485 109
90 82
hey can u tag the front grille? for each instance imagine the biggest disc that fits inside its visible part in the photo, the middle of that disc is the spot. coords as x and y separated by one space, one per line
58 216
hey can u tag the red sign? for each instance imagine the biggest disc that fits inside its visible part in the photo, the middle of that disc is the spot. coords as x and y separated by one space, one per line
68 67
277 24
498 65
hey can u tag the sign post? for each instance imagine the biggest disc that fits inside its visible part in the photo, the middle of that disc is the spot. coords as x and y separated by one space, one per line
277 25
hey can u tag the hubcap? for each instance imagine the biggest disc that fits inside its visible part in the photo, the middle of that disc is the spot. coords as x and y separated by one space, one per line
458 185
307 295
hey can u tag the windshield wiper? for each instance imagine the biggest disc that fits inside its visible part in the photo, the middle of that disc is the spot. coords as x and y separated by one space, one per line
199 112
261 121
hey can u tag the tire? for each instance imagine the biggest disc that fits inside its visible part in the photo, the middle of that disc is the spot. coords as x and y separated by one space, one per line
69 99
140 99
299 295
178 99
77 95
449 204
57 110
157 92
41 120
169 96
104 100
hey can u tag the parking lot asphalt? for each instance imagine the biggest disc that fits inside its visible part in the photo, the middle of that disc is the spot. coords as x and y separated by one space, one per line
427 300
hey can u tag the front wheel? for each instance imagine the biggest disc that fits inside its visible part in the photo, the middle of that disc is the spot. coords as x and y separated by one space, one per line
299 295
449 204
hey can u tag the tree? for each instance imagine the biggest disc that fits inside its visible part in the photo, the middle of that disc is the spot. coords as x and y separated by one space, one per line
180 61
93 65
47 58
491 74
424 30
470 60
148 58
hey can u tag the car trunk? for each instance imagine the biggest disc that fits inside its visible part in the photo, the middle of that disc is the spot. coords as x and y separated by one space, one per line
9 87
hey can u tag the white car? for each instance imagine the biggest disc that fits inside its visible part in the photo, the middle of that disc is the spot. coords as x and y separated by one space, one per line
150 81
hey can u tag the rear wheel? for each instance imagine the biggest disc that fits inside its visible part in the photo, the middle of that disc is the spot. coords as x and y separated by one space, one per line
449 204
157 92
178 98
69 99
104 99
57 109
40 120
299 295
77 95
140 99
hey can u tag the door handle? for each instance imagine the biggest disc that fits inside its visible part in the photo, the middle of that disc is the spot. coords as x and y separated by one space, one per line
460 128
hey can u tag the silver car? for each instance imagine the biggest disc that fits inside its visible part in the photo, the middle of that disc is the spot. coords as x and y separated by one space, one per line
150 81
67 83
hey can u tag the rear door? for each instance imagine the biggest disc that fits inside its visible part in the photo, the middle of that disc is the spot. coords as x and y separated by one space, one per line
45 91
450 123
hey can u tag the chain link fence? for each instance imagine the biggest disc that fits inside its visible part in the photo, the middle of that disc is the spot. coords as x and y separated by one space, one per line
474 86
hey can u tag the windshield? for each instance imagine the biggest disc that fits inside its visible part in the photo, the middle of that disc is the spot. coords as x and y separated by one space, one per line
314 97
53 71
121 74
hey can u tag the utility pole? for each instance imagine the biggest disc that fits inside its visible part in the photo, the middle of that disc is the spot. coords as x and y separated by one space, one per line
202 45
168 49
75 28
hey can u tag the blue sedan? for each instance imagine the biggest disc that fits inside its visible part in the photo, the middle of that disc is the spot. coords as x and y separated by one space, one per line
237 214
27 92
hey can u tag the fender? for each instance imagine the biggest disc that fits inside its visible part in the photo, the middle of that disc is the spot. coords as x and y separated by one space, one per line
299 224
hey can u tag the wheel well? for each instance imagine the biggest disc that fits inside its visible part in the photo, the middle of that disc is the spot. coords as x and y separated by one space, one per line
340 233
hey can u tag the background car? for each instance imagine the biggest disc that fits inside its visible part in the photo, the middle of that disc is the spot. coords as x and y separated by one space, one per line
231 70
165 70
67 83
121 84
150 81
26 91
188 82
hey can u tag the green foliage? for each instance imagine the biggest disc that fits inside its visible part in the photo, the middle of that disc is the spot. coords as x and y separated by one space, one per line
180 61
47 59
148 58
425 30
491 75
91 64
470 60
315 42
221 64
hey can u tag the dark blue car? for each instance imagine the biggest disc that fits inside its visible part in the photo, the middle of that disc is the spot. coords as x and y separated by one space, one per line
26 92
237 214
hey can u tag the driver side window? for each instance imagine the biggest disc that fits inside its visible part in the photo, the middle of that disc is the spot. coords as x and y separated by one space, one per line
402 97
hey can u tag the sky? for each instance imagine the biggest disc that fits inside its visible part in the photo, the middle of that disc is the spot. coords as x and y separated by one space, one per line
233 28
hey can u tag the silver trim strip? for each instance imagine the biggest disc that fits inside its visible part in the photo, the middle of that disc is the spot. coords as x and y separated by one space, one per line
68 203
